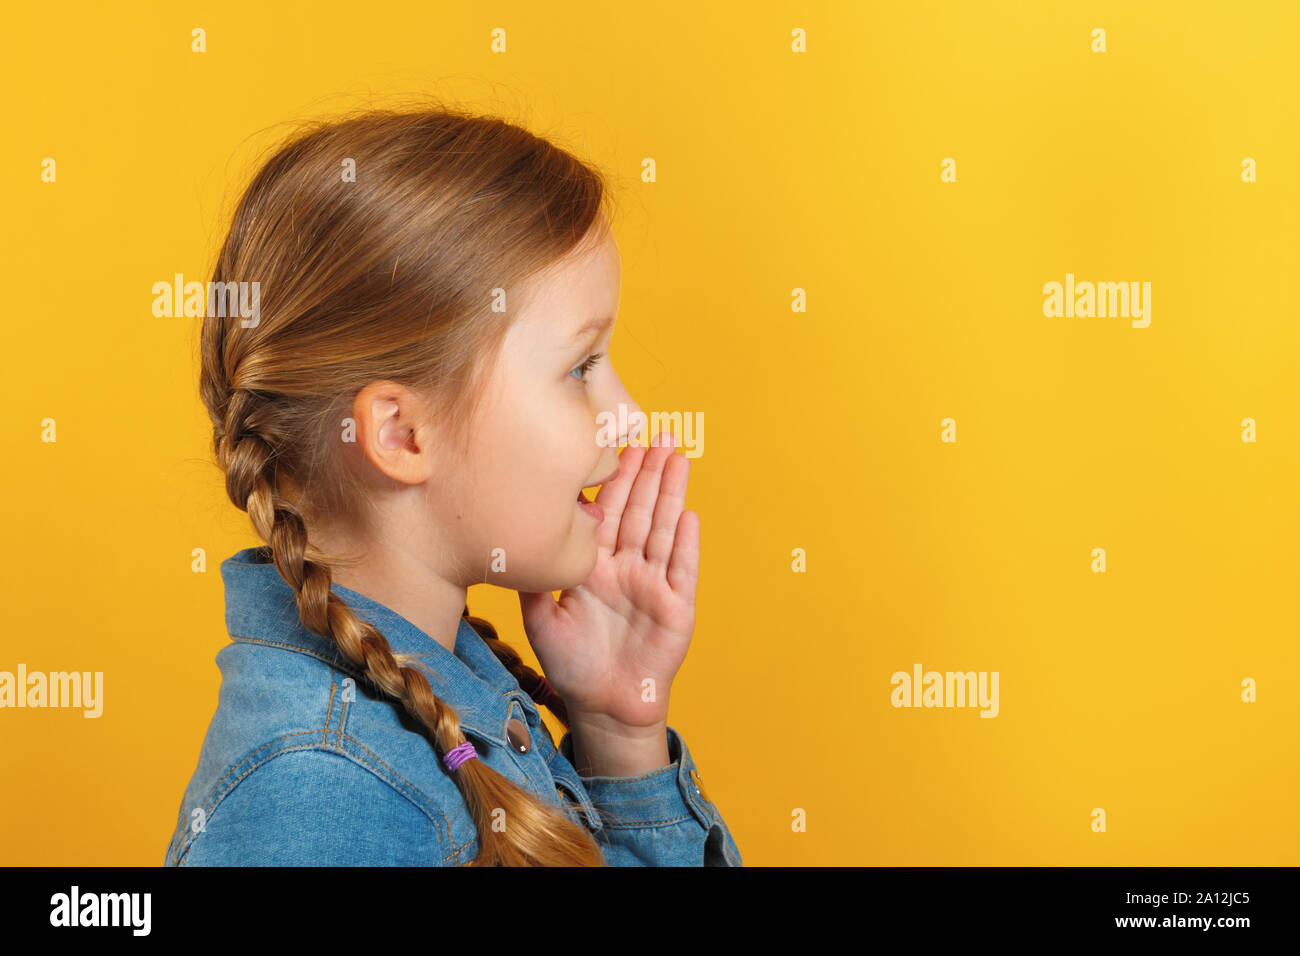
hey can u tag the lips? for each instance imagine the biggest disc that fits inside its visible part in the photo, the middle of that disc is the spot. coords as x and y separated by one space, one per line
590 507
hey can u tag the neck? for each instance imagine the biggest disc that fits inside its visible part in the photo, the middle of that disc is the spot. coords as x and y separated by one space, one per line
402 582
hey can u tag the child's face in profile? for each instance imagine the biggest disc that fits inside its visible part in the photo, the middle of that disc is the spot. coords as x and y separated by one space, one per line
535 446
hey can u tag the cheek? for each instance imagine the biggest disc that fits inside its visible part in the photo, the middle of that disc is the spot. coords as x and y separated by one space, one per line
527 476
559 452
525 508
531 459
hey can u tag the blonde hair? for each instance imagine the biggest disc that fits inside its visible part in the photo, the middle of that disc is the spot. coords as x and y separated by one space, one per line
386 277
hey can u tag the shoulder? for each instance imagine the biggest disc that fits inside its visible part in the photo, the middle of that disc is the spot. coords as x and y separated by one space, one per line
303 760
317 807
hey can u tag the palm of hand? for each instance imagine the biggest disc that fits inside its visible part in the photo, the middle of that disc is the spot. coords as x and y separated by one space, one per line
612 645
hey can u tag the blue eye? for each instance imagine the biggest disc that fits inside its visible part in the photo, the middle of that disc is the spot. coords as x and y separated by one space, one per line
586 366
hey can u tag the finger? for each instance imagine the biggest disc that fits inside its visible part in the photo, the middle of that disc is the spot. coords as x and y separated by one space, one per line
613 496
684 570
635 523
668 508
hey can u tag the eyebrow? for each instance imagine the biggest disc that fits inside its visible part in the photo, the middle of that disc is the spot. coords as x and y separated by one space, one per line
590 326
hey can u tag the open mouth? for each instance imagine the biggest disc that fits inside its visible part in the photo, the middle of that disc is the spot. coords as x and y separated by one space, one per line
590 507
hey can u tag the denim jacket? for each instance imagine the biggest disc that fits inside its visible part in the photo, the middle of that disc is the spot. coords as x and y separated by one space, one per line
305 764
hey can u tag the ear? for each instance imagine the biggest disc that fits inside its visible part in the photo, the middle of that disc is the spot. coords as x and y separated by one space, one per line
395 431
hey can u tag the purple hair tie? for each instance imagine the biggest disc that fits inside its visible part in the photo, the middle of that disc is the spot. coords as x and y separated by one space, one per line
457 755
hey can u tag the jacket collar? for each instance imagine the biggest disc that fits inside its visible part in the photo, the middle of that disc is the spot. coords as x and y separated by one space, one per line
260 606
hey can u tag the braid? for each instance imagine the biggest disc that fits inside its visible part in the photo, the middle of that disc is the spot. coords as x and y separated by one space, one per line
538 836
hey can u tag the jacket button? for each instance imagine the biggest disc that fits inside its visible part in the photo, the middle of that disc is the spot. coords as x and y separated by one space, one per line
518 734
695 778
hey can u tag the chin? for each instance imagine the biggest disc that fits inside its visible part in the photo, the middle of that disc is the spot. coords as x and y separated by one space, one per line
579 568
571 565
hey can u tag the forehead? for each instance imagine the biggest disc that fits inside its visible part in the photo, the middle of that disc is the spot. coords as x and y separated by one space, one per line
569 294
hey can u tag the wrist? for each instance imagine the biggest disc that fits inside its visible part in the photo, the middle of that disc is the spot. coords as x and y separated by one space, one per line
607 748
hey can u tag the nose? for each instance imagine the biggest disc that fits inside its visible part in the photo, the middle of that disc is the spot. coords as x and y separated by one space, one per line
631 421
620 421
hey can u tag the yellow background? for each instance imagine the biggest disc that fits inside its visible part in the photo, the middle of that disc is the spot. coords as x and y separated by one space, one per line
776 171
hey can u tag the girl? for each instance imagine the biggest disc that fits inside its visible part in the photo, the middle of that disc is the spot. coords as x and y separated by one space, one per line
414 410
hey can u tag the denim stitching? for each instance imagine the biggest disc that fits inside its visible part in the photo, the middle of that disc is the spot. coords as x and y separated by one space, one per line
386 767
325 731
379 760
216 798
289 647
580 804
294 749
340 665
389 768
175 846
343 716
309 747
585 805
580 794
668 769
335 663
628 824
252 755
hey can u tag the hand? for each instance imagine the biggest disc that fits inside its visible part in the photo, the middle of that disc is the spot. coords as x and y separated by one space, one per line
633 617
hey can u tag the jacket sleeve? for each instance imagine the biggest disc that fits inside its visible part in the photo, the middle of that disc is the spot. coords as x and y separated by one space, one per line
660 818
316 808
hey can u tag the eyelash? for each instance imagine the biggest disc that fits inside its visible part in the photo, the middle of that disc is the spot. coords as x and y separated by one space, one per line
587 365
